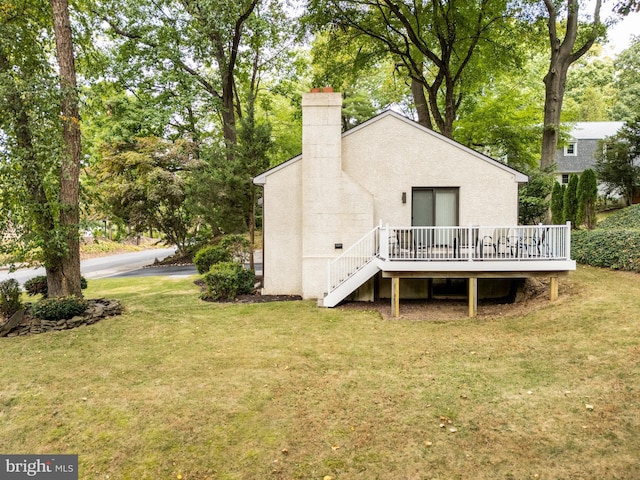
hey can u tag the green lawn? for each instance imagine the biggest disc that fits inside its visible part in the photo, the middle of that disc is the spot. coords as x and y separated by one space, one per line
180 388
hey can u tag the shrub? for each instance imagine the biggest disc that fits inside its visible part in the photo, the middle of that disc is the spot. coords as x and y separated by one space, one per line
209 256
60 308
10 301
618 249
230 248
238 247
38 285
225 280
570 201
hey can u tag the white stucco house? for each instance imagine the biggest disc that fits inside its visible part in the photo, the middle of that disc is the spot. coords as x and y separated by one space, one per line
360 210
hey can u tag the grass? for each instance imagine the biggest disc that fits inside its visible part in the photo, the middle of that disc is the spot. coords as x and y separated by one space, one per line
179 388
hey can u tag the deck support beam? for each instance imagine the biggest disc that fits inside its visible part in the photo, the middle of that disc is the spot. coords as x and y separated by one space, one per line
553 286
473 297
395 297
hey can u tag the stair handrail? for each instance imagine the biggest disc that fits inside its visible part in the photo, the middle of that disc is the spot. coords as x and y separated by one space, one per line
341 268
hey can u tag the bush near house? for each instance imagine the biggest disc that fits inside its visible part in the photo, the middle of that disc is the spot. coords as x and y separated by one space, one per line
230 248
614 244
225 280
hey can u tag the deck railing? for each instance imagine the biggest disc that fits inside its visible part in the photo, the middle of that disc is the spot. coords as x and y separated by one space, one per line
476 243
520 243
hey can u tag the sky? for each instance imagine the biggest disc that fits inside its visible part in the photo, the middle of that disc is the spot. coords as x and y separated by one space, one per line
620 34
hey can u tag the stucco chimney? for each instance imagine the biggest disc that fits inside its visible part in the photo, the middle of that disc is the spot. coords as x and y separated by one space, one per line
322 130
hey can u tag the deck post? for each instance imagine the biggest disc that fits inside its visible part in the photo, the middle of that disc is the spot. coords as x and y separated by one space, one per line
473 297
553 294
383 233
395 297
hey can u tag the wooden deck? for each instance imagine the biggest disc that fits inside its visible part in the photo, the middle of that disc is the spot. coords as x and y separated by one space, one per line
452 252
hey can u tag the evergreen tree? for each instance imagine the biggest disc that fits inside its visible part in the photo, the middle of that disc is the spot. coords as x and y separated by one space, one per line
570 201
587 197
557 202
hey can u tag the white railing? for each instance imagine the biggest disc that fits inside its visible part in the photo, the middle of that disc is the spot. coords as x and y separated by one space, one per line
455 244
353 259
475 243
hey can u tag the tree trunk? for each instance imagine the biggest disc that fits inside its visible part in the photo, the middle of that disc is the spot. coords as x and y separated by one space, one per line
555 82
420 102
563 54
252 228
63 278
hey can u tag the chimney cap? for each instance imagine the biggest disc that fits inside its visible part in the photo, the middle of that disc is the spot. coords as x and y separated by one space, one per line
326 89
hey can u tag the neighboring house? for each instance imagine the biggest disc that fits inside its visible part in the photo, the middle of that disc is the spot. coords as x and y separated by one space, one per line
390 200
579 153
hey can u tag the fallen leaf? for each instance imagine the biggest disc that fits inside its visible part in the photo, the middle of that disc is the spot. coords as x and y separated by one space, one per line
335 447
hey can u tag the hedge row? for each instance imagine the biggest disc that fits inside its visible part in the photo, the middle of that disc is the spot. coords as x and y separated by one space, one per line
618 249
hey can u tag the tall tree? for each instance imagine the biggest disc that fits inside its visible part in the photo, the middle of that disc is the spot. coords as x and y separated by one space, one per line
566 46
587 197
557 203
570 201
40 157
437 44
63 277
187 48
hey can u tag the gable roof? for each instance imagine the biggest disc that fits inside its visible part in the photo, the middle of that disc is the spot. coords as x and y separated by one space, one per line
594 130
519 176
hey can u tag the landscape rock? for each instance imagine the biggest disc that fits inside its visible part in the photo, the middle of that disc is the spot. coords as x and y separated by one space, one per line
27 325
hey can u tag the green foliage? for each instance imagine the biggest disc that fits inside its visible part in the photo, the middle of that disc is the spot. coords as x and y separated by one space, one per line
30 134
617 161
587 198
38 285
59 308
626 218
627 82
557 201
142 181
231 248
533 198
590 94
460 51
10 301
209 256
226 280
618 249
238 246
570 201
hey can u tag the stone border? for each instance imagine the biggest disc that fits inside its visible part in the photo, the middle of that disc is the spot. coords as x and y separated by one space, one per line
98 309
